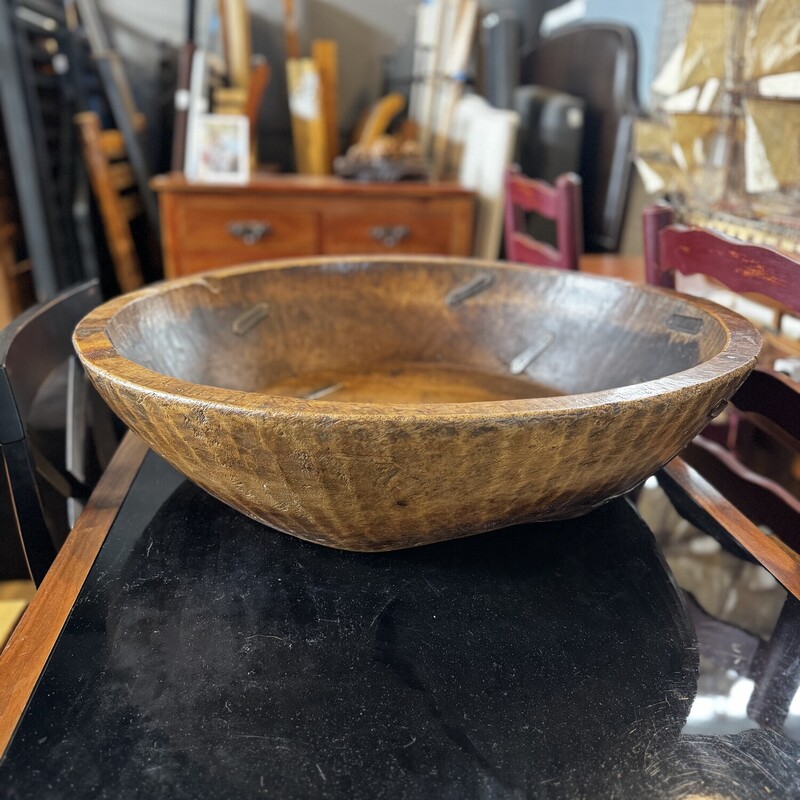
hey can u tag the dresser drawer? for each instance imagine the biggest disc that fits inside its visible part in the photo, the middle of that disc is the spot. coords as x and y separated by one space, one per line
292 216
389 227
242 229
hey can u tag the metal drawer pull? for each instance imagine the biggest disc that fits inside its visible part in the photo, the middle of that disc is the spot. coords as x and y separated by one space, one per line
390 235
250 232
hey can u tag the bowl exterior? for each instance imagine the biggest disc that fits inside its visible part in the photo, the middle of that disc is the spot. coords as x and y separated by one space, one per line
376 482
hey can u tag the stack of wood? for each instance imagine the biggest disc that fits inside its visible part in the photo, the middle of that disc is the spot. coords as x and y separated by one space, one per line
444 40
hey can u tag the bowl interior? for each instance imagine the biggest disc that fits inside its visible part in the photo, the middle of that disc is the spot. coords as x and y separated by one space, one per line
413 332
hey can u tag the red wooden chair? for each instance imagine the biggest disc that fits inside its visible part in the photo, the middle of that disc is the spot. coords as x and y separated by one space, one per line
768 401
560 203
714 491
710 485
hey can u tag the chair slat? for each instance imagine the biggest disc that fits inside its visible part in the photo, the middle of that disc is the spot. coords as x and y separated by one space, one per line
560 203
113 145
122 176
117 210
132 206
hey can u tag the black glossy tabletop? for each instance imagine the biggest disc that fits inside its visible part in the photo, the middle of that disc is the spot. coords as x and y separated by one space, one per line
211 657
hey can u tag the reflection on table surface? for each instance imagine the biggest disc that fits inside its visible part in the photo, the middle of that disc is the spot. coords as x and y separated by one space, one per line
209 656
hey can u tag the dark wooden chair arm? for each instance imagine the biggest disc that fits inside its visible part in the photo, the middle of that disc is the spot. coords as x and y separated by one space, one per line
697 501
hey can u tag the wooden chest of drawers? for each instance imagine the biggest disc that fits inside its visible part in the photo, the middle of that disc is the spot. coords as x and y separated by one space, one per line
206 226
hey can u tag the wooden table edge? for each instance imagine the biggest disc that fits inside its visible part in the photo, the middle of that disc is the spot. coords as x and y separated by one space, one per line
28 650
292 183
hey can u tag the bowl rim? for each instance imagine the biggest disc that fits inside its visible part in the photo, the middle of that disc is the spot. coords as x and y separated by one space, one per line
100 356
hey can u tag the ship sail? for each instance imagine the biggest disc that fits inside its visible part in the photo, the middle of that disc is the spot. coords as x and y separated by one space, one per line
712 29
772 46
772 144
727 111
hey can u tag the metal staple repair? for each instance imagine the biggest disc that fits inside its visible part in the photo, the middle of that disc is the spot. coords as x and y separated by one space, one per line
323 392
245 322
521 362
480 283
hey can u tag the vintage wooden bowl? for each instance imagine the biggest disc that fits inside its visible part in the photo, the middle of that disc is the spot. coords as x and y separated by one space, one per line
373 404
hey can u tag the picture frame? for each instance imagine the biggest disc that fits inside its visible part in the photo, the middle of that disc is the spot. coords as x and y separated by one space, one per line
219 149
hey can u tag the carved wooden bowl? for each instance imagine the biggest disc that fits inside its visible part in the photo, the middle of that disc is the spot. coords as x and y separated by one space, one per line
373 404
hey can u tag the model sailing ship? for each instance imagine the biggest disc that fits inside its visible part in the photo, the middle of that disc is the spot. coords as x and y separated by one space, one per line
724 139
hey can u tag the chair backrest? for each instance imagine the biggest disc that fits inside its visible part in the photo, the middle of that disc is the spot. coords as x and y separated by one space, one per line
597 62
695 251
115 188
40 378
560 203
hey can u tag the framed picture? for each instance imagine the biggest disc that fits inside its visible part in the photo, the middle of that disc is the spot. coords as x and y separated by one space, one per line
219 149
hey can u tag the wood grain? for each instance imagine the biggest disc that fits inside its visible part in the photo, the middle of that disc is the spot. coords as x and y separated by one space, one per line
325 53
310 185
237 40
427 226
629 268
199 368
309 133
27 652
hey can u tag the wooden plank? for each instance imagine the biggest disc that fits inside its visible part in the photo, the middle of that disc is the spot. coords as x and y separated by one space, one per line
308 121
259 81
27 652
310 185
182 99
325 53
237 40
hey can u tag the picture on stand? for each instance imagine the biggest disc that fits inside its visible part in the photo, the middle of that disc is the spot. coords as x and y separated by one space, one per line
219 149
